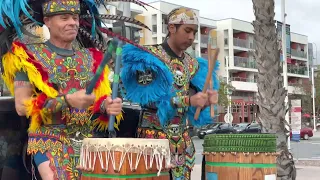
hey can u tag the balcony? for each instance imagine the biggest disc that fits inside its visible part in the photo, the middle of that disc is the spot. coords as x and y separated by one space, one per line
300 70
240 79
244 62
205 41
244 84
300 54
240 43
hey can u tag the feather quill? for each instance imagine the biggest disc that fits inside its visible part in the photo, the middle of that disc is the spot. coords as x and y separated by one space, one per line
119 18
140 3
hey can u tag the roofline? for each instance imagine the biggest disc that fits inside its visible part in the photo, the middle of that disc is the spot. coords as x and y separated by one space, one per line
161 1
251 22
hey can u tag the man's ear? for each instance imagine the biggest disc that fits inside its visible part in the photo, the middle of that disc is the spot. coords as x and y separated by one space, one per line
46 21
172 28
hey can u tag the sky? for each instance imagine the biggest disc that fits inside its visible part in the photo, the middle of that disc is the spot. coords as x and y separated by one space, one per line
302 15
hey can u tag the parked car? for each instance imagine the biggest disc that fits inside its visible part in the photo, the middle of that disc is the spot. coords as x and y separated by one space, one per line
216 128
237 128
252 128
305 133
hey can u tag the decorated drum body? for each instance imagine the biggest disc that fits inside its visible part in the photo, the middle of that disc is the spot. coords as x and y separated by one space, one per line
240 156
125 158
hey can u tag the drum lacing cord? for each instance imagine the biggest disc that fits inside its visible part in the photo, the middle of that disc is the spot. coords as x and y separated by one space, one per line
87 162
101 160
159 159
123 156
145 155
137 159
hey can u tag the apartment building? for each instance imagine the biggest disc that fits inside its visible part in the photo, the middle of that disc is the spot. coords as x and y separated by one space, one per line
235 37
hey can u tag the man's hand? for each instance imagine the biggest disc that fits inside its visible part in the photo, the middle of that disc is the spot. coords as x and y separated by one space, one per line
113 107
199 100
212 97
80 99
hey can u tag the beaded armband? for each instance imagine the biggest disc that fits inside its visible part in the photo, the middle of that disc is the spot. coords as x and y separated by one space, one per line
181 101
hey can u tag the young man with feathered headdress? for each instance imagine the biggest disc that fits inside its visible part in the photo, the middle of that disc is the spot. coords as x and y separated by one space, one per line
162 84
49 79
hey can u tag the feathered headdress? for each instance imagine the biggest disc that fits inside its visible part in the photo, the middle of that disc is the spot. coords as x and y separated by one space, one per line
16 15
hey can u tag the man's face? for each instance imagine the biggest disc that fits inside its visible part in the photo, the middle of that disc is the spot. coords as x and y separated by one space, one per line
63 27
184 35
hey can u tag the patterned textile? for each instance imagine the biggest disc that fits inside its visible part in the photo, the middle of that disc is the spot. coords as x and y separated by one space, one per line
183 16
61 6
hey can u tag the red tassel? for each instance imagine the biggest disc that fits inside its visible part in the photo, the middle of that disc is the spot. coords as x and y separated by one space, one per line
97 58
104 118
96 106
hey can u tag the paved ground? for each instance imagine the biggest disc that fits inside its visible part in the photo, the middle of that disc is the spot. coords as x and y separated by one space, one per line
306 154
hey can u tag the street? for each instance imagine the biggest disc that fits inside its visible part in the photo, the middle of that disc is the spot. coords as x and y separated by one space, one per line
305 150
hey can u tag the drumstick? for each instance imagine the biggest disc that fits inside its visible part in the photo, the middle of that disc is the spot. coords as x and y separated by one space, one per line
107 57
115 87
206 84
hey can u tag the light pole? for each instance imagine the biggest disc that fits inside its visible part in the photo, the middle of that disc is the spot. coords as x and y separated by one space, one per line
313 89
284 57
228 95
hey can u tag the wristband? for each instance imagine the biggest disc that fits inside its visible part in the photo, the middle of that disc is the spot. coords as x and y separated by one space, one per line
65 100
103 107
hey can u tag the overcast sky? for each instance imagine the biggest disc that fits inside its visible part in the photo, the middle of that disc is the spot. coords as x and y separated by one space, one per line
302 15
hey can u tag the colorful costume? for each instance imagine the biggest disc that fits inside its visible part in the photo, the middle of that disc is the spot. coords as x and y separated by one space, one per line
161 85
56 128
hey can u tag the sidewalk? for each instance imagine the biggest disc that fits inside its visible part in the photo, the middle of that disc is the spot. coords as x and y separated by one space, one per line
303 173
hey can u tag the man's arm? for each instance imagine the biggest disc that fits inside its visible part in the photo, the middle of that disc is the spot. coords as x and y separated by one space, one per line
22 92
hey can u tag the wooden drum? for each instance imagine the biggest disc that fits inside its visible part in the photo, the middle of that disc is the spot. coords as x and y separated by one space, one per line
124 158
240 156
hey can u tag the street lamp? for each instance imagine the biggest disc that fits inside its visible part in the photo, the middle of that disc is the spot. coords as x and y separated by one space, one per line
313 89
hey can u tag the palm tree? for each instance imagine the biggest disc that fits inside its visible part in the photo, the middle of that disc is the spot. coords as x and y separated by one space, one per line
271 93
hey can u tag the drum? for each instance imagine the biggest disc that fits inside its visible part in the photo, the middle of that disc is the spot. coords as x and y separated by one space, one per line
124 158
240 156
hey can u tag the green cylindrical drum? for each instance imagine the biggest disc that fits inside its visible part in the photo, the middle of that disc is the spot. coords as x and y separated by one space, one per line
240 156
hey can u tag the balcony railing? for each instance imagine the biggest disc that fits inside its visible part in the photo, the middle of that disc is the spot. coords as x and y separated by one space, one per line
244 62
297 53
252 80
301 70
241 43
294 84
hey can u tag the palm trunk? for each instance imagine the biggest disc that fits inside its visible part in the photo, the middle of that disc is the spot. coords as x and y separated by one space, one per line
271 93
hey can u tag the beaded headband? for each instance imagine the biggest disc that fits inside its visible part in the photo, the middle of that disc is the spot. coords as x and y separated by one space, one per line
53 7
183 16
